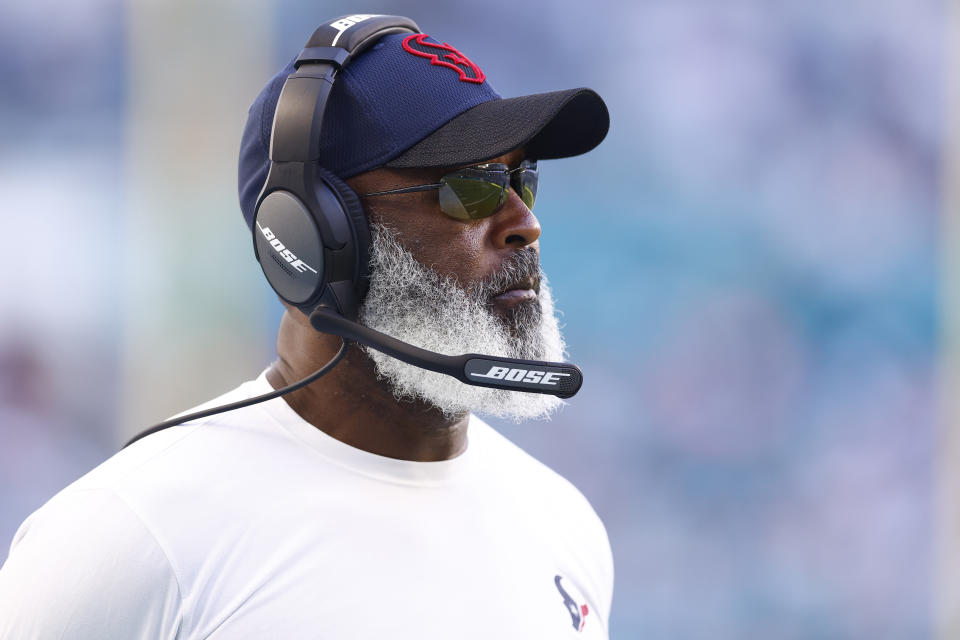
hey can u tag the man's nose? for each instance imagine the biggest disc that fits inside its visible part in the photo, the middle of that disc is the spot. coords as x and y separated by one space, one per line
514 226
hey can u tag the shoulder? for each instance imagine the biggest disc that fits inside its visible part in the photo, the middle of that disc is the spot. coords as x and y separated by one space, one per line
527 473
547 492
180 479
194 451
563 518
127 535
76 562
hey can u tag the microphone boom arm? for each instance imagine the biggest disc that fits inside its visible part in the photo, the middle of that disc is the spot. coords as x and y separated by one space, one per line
533 376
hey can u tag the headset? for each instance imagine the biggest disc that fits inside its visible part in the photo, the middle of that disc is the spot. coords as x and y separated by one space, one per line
312 239
310 232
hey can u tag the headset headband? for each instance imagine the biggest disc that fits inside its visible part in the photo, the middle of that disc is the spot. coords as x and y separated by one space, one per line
303 100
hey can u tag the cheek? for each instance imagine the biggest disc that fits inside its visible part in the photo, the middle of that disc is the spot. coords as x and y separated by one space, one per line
450 247
453 250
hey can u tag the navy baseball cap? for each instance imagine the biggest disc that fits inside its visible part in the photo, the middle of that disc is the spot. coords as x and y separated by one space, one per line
412 102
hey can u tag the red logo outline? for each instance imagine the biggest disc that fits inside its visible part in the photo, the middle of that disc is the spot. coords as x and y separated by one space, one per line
454 55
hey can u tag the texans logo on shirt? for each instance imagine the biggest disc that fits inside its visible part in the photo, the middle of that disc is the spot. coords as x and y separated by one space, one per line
578 612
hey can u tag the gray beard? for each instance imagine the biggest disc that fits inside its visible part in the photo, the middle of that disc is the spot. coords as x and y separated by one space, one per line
415 304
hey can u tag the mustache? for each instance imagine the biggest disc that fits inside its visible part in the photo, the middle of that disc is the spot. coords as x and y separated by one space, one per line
520 271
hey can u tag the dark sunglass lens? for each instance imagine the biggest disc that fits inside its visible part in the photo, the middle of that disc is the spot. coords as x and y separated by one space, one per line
470 198
525 182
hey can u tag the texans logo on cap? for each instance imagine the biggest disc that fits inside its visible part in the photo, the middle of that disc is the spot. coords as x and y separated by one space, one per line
469 72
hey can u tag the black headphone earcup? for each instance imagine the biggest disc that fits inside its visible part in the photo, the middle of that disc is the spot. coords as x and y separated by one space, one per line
359 225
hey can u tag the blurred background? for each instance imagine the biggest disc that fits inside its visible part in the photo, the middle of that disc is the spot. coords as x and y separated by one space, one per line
750 268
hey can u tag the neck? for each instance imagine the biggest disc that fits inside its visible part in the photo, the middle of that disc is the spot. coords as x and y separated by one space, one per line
351 405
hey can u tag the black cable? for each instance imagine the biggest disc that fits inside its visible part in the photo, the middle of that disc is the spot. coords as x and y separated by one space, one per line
276 393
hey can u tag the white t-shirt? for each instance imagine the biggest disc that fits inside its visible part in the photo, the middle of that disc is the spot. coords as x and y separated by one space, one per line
254 524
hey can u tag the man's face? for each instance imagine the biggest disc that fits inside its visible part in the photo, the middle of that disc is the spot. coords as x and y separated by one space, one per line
467 251
457 287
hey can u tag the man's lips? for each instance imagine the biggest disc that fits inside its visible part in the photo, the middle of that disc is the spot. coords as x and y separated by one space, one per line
515 296
518 293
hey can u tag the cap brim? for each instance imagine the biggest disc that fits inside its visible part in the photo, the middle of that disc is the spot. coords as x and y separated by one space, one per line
558 124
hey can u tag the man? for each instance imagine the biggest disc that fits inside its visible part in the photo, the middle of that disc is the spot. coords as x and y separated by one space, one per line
371 503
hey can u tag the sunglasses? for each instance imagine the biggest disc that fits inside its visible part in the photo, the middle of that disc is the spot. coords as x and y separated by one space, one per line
478 191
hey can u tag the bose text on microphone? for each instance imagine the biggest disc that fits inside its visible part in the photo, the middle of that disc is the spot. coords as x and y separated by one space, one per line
556 378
